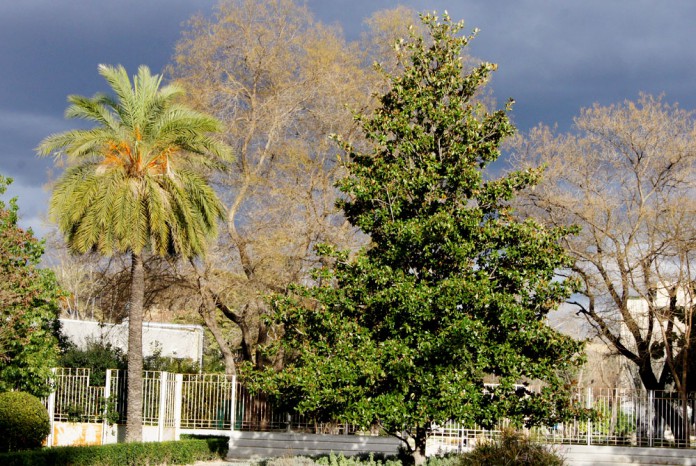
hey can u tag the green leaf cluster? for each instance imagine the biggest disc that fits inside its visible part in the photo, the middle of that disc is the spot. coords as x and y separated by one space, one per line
28 306
97 355
136 180
453 289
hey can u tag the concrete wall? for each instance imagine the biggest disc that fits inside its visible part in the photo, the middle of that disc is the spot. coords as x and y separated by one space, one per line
245 445
255 445
97 433
76 434
582 455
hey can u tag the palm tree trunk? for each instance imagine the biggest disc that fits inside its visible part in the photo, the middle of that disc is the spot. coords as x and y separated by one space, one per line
134 411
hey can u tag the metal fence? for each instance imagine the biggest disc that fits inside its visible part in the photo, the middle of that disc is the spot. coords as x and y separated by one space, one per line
255 412
621 418
205 403
75 399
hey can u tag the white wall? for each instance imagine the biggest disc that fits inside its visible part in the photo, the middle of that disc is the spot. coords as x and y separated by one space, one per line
178 341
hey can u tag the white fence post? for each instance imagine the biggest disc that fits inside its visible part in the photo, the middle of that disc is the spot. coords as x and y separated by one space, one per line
651 415
107 401
162 406
52 408
178 399
589 422
233 401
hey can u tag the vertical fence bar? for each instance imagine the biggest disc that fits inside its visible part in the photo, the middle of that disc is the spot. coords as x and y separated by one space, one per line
107 401
52 407
589 422
162 411
233 403
178 399
651 414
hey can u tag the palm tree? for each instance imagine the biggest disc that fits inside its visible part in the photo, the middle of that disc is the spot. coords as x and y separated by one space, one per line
134 184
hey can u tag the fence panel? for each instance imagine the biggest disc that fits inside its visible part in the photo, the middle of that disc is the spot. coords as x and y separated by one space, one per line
75 399
170 402
119 387
623 417
255 412
206 402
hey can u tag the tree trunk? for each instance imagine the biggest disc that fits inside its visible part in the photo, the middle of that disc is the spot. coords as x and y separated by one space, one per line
671 412
418 452
227 353
134 411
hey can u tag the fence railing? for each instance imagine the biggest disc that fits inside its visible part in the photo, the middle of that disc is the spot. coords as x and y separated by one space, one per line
75 399
206 402
214 402
622 418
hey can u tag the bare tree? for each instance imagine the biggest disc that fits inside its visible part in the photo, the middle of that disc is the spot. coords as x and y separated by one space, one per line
282 83
626 178
97 288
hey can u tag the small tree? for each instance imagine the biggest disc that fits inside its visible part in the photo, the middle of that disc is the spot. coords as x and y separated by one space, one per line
452 291
28 307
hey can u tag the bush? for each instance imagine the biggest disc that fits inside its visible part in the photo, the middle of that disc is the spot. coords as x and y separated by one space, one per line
126 454
358 460
24 422
514 448
97 355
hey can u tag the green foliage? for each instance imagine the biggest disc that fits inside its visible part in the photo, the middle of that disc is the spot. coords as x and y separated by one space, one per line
100 356
453 287
157 362
97 356
135 179
358 460
122 454
28 306
24 421
340 460
512 449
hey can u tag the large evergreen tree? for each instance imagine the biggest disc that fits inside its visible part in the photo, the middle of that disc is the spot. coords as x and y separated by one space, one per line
28 307
453 289
134 185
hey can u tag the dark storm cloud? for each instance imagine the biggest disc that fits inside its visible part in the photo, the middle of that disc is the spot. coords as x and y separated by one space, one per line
50 49
53 47
554 57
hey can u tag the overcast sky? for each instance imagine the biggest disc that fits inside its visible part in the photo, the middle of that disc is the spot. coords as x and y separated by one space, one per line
554 57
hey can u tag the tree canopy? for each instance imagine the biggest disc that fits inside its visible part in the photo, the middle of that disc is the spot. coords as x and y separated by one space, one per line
452 291
28 307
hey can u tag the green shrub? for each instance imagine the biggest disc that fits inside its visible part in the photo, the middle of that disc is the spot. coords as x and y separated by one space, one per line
358 460
126 454
513 448
450 459
97 355
24 422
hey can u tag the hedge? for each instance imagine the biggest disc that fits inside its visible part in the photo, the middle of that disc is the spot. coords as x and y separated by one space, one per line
132 454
